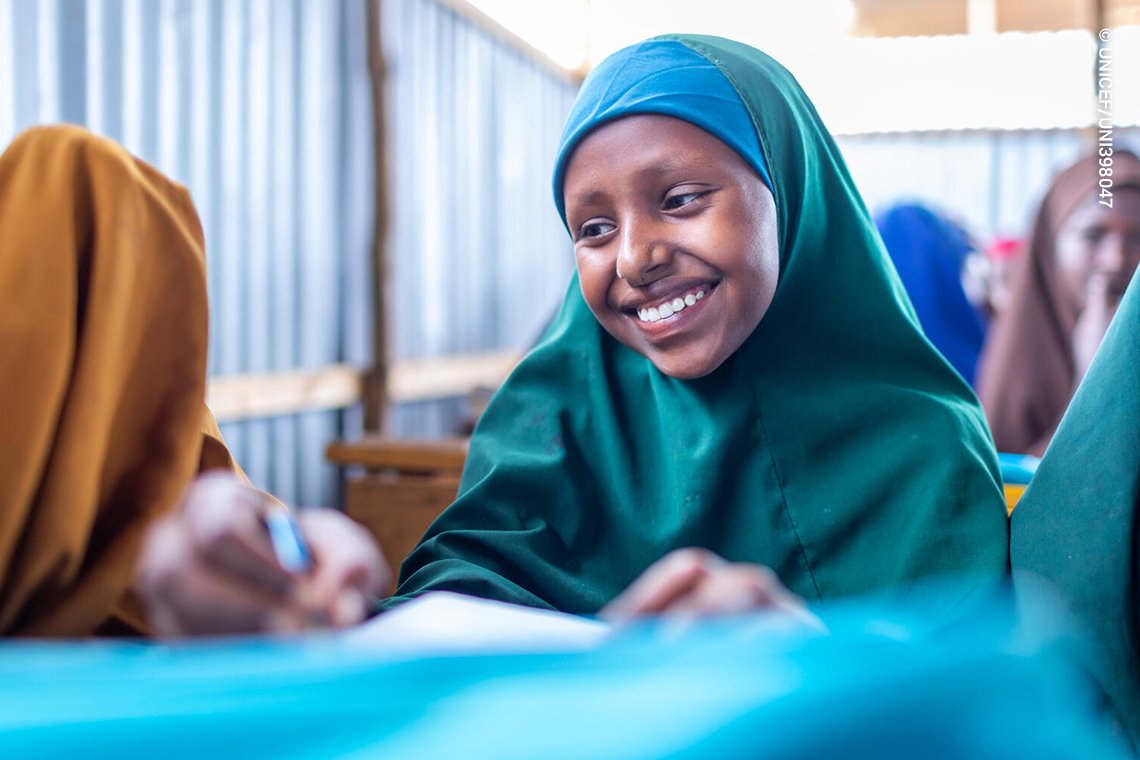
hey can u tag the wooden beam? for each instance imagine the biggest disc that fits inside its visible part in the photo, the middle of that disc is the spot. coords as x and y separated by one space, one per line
273 394
448 376
239 397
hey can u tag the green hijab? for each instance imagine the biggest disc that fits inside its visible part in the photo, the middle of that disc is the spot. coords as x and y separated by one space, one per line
835 446
1076 525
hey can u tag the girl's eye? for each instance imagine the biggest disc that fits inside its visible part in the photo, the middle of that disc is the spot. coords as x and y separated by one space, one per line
681 200
1092 234
594 229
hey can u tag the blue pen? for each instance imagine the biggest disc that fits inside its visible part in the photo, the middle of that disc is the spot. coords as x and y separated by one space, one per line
294 555
288 545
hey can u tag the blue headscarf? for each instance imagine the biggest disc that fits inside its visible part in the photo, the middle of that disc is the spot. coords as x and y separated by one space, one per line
662 77
928 252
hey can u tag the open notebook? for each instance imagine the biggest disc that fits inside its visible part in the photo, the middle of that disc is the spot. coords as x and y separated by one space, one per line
442 621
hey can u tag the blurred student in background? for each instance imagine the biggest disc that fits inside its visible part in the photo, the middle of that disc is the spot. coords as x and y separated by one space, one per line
930 254
1083 249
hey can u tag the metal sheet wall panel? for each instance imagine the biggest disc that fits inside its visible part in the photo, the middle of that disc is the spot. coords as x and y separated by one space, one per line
262 108
479 258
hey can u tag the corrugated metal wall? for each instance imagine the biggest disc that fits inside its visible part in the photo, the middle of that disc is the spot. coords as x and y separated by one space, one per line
262 108
479 257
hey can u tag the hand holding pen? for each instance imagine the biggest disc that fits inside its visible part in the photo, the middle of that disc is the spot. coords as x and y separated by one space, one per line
232 559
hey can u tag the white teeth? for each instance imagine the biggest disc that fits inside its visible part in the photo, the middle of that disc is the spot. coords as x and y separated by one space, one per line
669 308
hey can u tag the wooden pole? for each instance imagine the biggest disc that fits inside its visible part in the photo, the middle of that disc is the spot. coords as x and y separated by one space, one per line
981 16
376 380
1097 18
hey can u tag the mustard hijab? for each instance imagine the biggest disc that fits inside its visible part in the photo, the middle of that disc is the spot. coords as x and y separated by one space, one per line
103 331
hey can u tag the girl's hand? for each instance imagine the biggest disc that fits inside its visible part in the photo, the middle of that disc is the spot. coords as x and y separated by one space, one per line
697 583
209 567
1101 299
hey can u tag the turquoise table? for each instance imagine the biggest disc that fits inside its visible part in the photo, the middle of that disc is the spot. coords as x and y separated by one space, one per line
877 687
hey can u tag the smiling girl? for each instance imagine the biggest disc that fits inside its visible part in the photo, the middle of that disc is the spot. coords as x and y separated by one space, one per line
736 381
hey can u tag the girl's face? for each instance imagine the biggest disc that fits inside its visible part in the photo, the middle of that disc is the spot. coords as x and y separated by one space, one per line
674 238
1097 246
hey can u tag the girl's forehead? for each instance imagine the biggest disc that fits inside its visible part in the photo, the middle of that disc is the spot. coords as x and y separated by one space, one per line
1092 209
651 144
649 130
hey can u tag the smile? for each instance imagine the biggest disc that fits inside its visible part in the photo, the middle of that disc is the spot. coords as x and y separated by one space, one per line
666 309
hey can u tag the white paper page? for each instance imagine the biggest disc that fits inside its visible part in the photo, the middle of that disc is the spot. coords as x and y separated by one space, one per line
442 621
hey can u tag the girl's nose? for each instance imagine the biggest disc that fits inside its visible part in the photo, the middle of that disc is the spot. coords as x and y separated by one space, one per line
1112 255
643 256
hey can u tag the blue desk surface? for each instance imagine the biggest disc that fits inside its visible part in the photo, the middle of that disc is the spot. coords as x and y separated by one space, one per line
874 687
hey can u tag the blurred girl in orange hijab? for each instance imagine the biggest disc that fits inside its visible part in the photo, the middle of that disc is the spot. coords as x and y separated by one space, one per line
103 332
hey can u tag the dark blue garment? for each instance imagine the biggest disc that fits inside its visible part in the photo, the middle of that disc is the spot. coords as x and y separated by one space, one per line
928 252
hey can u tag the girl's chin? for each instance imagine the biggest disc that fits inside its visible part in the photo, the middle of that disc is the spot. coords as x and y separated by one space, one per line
681 367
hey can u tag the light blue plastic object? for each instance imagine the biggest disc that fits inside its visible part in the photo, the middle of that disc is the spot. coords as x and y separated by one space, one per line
1017 469
1016 472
